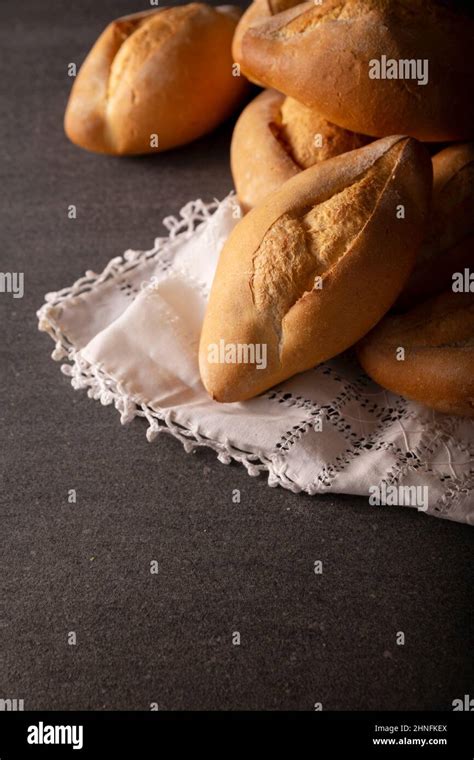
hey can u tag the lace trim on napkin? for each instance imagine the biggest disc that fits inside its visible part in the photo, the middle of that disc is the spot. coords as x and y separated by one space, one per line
101 387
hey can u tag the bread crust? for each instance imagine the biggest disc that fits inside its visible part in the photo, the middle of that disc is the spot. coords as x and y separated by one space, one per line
258 11
322 54
449 247
258 160
438 366
166 72
274 139
316 265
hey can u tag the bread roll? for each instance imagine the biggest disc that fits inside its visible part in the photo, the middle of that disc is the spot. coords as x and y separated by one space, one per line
258 11
156 80
275 138
314 267
329 56
437 366
449 247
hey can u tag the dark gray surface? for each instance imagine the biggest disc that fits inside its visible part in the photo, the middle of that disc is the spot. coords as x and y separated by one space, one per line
224 567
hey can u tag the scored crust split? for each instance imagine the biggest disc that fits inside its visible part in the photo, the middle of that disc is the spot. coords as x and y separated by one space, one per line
258 11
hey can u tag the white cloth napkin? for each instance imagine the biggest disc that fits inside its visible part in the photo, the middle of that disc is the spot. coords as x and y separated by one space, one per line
130 336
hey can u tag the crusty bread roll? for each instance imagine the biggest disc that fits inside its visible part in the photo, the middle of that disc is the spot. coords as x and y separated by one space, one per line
161 76
275 138
258 11
313 268
427 354
449 246
329 56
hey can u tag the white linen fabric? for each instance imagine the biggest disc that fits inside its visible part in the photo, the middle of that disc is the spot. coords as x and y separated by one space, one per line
130 336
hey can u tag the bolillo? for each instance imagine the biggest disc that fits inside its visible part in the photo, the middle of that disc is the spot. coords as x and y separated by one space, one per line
313 268
437 366
449 246
156 80
275 137
378 67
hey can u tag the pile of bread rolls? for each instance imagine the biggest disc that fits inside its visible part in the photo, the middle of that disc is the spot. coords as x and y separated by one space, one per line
354 171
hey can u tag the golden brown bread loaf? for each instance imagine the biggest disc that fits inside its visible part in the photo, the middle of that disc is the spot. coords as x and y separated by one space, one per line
449 247
155 80
427 354
275 138
257 11
329 56
313 268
